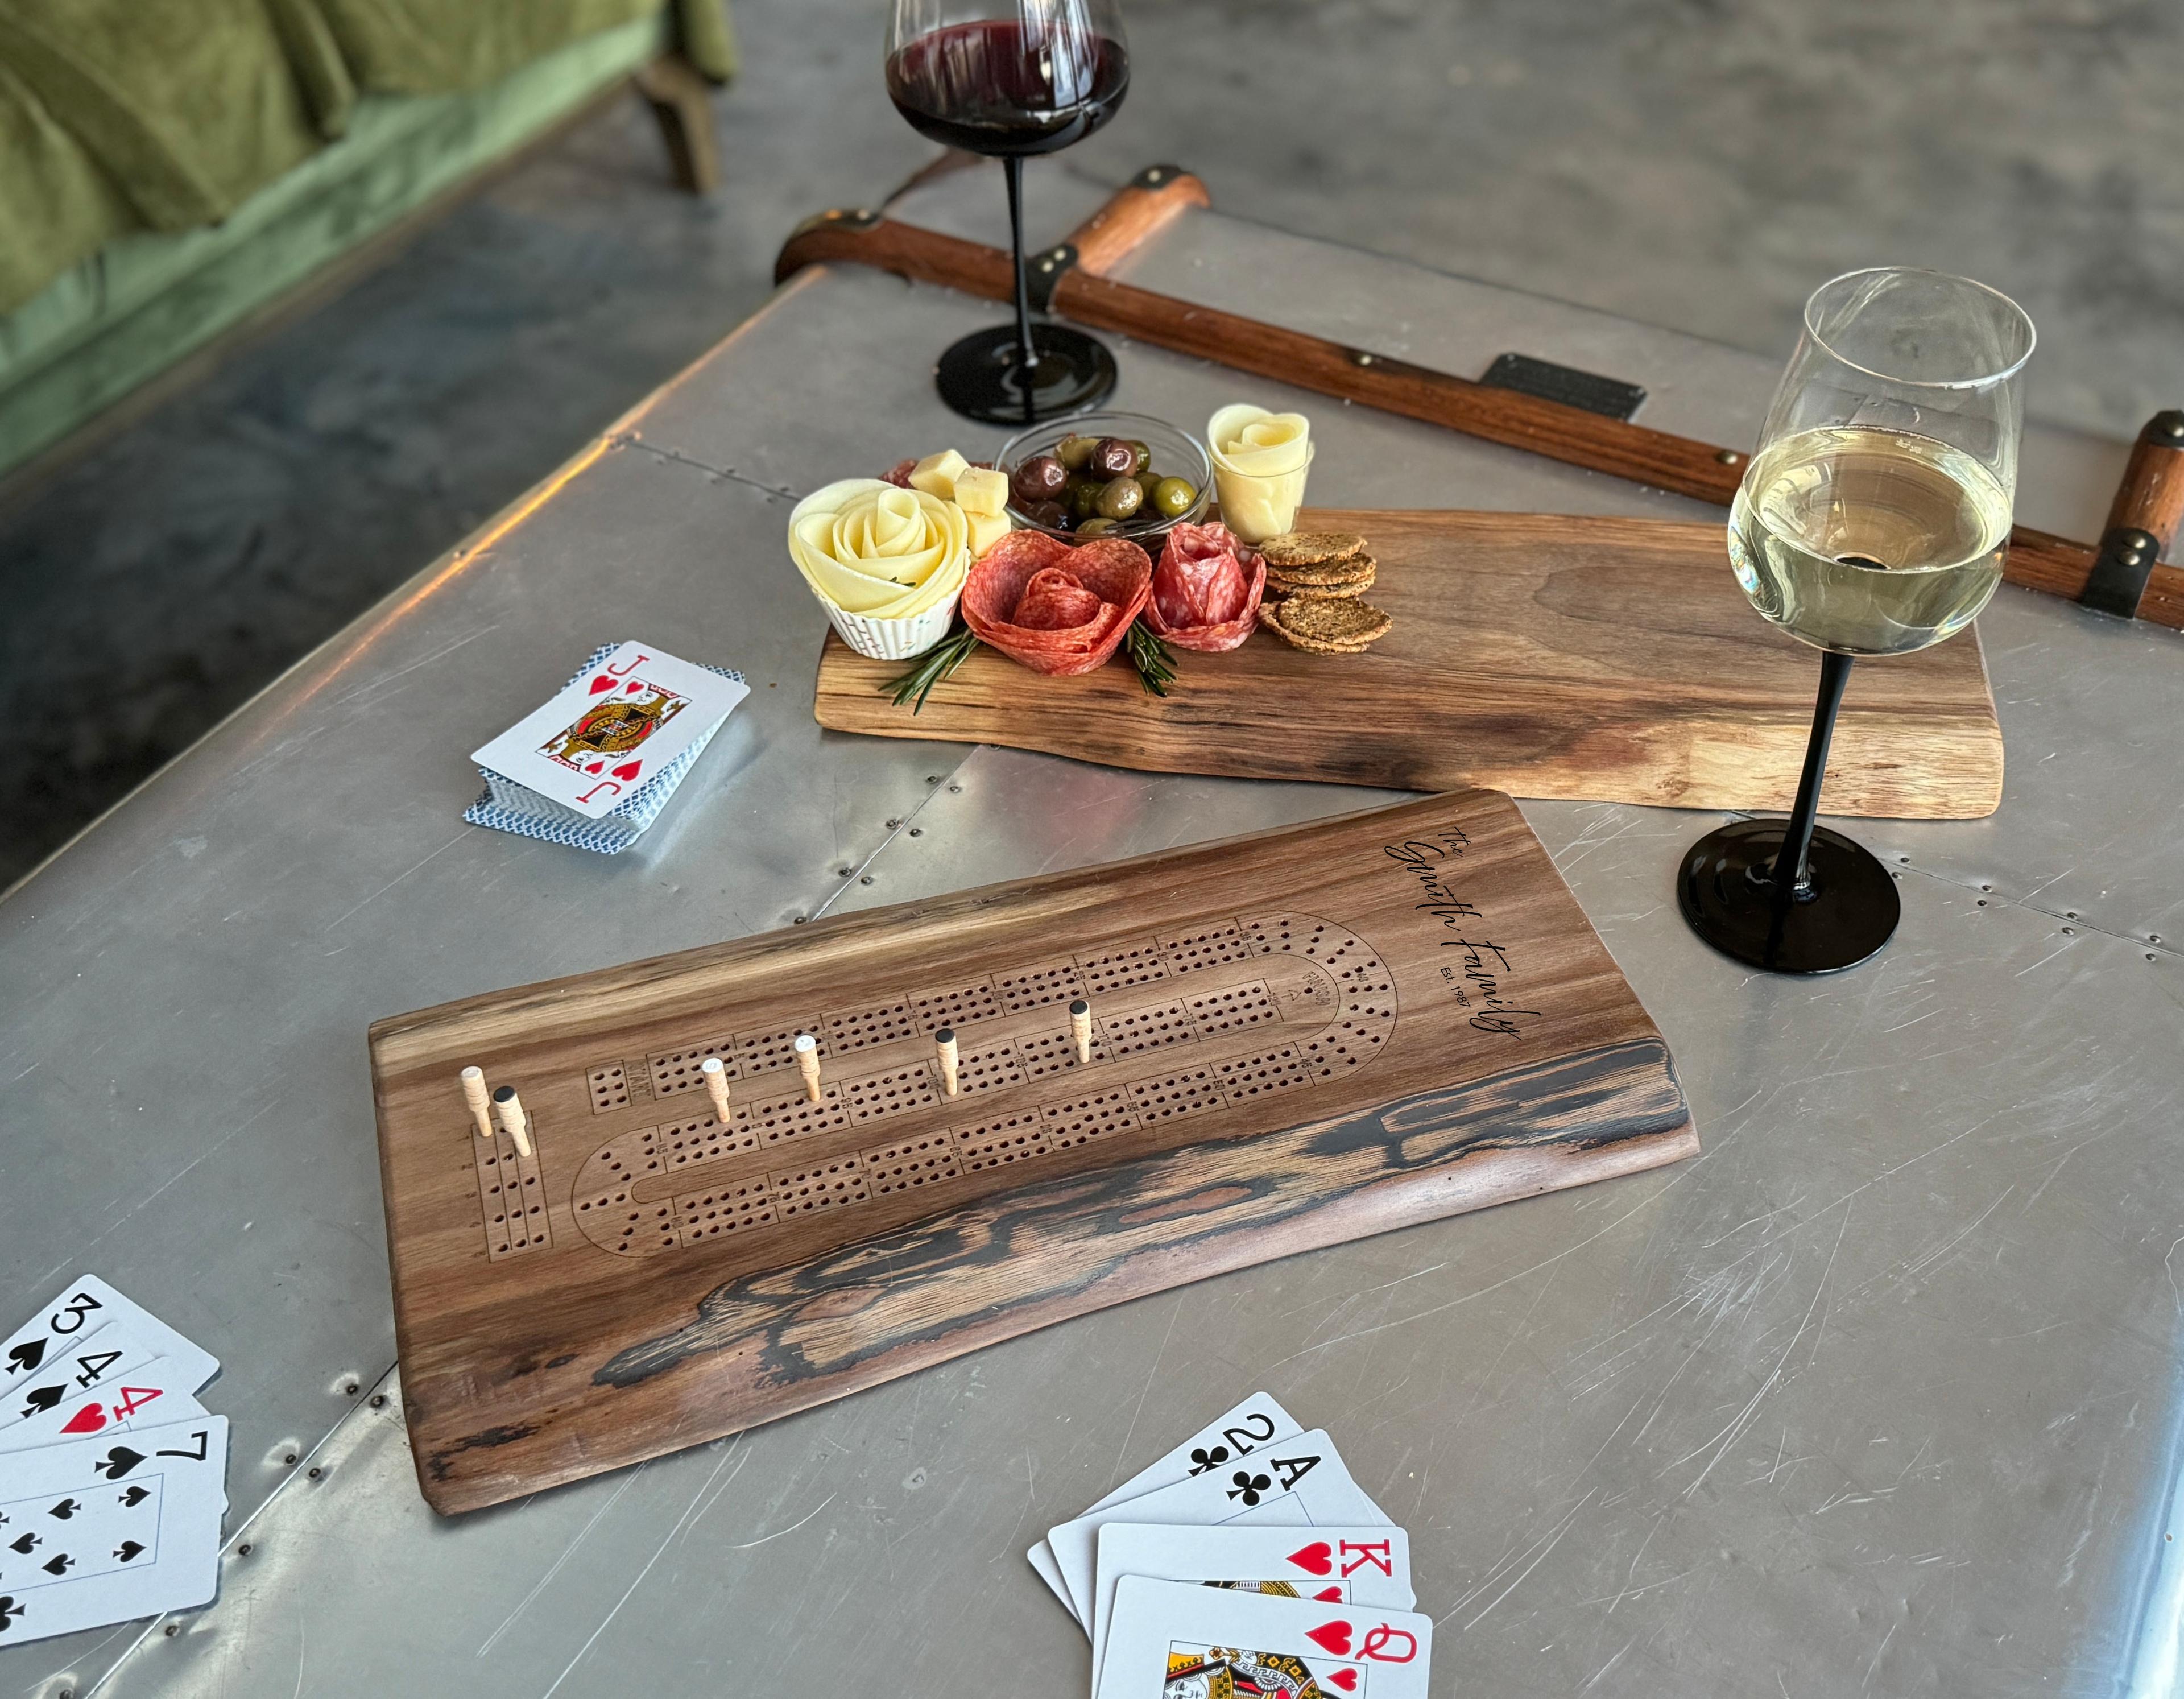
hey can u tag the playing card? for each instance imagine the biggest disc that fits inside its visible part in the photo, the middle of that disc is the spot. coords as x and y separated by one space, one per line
102 1530
1294 1483
1233 1434
80 1310
73 1370
1367 1567
1175 1639
608 732
138 1396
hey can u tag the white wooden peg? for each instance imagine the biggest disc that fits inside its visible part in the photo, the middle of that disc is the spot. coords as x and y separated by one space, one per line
944 1042
1080 1028
512 1121
807 1062
479 1098
715 1077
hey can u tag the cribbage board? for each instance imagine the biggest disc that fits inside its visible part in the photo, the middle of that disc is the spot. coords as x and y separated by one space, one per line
1298 1037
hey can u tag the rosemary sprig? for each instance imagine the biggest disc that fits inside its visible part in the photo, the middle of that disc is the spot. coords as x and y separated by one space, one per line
1154 660
936 664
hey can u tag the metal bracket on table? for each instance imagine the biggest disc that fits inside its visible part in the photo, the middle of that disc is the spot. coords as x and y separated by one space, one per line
2121 567
1609 396
855 218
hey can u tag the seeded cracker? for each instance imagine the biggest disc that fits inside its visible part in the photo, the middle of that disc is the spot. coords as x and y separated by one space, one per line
1343 625
1295 548
1351 569
1279 586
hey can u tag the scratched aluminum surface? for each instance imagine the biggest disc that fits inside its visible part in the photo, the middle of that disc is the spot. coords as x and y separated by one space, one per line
1879 1394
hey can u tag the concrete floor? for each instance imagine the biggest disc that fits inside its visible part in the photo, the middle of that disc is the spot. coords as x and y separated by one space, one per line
1685 161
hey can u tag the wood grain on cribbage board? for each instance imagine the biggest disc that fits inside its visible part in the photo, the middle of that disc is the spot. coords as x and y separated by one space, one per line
1299 1037
1605 659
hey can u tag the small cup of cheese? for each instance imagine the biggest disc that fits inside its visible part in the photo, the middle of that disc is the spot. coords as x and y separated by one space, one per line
1260 460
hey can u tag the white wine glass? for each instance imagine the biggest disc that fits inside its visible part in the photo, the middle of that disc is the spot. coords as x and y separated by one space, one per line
1872 521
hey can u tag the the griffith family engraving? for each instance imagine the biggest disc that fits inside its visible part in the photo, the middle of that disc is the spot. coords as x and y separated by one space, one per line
1479 978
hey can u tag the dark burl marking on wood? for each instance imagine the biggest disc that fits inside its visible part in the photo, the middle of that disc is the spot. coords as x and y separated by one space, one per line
1046 1240
442 1462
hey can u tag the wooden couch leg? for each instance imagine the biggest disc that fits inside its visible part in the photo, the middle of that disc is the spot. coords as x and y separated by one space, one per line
678 97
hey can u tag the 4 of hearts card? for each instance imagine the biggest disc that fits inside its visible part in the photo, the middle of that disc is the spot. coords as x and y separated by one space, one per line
624 720
1177 1639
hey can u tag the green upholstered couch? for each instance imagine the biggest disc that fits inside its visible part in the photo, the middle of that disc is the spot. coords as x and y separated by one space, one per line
169 167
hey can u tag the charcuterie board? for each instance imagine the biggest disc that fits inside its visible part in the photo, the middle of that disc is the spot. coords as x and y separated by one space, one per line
1285 1042
1606 659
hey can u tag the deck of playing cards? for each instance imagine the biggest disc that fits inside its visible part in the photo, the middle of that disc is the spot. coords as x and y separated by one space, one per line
113 1479
594 767
1244 1560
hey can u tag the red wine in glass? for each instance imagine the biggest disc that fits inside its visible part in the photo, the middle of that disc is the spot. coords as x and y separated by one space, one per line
1044 75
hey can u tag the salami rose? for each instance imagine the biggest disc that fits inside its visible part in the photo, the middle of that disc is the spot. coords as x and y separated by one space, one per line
1060 610
1206 590
899 474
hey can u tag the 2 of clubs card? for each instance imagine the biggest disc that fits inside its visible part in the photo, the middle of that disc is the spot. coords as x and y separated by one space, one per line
612 728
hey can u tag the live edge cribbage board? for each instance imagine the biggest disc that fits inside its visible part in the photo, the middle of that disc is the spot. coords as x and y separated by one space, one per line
1298 1039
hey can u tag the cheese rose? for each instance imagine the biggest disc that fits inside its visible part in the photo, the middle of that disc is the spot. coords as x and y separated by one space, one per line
1260 459
873 549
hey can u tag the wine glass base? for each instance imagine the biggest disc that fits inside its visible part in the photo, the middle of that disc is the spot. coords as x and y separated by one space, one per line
1726 892
982 378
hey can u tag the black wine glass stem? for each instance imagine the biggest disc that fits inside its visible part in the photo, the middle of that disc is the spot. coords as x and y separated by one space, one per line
1834 674
1013 165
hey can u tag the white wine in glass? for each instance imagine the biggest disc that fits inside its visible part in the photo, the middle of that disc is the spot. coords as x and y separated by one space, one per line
1872 521
1868 541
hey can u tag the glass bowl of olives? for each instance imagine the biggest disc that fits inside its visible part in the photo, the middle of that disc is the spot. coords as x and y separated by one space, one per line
1107 474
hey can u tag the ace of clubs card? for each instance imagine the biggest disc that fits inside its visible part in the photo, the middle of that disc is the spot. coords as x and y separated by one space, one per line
606 734
1294 1483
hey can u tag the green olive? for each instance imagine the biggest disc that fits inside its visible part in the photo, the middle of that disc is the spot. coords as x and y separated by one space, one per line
1145 454
1121 498
1095 527
1174 497
1083 497
1075 451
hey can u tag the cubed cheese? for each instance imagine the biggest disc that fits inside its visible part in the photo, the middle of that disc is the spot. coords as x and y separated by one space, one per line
986 529
936 474
981 490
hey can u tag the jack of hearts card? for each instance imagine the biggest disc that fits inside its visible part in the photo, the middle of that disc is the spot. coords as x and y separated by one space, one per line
608 732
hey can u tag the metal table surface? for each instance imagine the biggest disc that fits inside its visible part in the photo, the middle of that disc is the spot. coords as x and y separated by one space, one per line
1880 1394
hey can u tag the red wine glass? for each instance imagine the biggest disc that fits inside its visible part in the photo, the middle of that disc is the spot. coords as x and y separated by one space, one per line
1008 79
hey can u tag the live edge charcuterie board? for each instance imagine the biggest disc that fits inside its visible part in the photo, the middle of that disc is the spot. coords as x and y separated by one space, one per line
1547 655
1298 1039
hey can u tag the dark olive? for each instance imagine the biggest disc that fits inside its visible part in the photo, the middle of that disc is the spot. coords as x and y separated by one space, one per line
1074 451
1173 498
1095 527
1051 514
1040 478
1114 457
1121 498
1144 455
